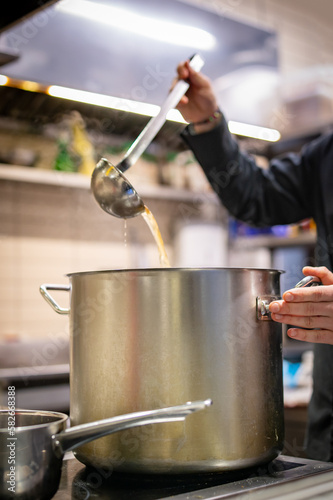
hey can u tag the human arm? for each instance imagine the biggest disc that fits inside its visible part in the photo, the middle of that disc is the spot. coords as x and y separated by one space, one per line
289 191
279 195
309 310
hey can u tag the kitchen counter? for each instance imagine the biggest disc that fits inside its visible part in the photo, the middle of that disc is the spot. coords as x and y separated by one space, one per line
41 387
286 477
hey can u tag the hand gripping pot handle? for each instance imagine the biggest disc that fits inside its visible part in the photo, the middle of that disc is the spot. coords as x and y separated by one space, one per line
263 302
50 300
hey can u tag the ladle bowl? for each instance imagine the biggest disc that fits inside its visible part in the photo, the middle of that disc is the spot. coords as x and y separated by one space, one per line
114 193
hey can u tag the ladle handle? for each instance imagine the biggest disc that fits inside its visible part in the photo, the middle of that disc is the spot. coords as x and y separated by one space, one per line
71 438
156 123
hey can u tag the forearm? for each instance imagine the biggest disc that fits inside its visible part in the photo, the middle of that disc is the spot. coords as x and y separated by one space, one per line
198 137
254 195
230 173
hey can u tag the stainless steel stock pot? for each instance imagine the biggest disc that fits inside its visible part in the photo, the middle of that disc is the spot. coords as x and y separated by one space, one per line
148 338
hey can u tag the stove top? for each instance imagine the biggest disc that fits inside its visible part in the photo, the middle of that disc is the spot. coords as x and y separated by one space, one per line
295 477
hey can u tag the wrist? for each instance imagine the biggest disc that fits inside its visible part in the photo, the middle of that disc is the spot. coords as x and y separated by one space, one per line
207 124
211 119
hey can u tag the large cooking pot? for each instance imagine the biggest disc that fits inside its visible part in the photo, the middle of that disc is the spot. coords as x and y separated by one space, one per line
142 339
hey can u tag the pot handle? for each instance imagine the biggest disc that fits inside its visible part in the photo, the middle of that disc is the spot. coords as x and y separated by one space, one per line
308 281
50 300
262 306
71 438
263 302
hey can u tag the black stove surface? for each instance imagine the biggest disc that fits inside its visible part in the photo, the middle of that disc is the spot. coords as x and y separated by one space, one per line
82 483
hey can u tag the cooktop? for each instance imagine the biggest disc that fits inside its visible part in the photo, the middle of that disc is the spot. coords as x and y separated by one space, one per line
294 476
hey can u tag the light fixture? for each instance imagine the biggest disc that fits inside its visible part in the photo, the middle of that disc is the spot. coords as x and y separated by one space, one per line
158 29
3 80
254 131
106 101
142 108
129 106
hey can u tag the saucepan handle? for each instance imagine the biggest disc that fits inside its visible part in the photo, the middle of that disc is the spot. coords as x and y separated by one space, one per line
71 438
44 290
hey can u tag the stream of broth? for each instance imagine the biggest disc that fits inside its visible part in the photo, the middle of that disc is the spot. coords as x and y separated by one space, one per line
152 224
125 233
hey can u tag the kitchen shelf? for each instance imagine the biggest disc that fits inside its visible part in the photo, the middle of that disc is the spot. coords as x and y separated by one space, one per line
269 241
80 181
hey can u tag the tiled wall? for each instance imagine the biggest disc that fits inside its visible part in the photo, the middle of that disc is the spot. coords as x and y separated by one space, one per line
304 27
48 231
305 45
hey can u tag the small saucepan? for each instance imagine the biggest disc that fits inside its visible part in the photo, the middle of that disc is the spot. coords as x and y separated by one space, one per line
33 443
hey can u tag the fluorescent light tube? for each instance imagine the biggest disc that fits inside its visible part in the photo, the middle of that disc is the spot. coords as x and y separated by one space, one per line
158 29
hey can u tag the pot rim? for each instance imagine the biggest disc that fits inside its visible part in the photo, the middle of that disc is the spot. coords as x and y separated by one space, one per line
58 418
190 270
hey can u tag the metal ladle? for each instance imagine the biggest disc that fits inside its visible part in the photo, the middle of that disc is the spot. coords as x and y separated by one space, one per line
112 191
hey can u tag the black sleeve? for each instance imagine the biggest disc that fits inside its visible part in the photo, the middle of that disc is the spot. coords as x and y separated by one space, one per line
278 195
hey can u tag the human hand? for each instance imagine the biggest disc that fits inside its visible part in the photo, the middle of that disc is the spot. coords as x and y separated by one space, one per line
199 102
309 310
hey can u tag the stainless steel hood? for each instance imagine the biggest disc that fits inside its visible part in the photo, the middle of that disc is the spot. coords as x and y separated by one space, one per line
62 48
15 12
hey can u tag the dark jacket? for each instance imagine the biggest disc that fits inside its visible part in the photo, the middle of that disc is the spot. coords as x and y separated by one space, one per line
295 187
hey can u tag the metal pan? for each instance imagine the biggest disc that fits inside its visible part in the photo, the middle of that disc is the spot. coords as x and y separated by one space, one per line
157 334
33 443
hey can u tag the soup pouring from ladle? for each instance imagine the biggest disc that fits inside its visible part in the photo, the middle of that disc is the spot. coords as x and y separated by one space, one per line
112 191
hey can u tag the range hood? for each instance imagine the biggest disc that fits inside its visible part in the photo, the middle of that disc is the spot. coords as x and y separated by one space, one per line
16 11
60 46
